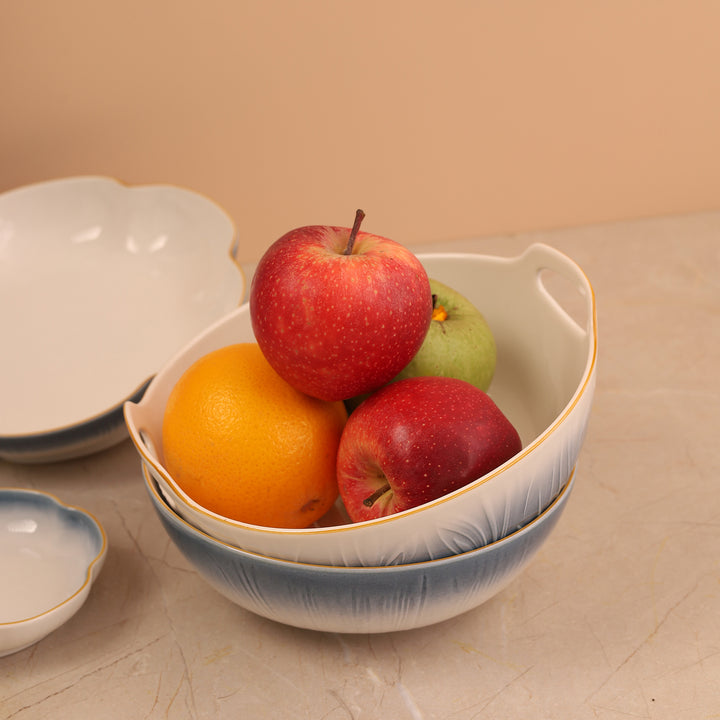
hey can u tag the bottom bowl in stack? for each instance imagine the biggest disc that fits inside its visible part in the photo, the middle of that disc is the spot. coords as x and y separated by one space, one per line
359 599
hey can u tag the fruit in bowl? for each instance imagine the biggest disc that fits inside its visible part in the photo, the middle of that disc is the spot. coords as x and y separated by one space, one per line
459 343
244 443
250 443
544 383
339 312
416 440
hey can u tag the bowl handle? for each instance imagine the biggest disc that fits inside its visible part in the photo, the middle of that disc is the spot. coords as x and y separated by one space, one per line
555 274
136 420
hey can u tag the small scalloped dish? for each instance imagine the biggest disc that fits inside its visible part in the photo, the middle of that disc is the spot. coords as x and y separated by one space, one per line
50 555
100 283
541 309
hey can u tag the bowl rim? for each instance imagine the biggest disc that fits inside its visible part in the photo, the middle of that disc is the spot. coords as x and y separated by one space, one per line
551 508
92 566
585 382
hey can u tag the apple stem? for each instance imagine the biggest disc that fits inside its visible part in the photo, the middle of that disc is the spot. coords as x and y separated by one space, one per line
359 215
370 501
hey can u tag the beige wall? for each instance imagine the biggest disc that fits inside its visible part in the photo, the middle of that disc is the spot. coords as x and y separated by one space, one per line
441 119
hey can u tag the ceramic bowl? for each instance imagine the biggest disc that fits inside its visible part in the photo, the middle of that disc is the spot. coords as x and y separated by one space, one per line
545 378
50 555
100 283
359 599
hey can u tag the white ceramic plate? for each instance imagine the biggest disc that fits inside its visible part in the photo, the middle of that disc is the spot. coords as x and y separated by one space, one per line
100 284
50 555
544 383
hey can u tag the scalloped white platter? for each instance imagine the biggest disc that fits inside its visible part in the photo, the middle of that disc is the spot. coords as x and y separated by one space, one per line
101 283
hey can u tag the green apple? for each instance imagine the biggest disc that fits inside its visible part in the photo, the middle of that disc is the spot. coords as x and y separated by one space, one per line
459 343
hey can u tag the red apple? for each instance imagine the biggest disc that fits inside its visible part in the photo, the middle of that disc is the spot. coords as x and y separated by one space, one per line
416 440
338 312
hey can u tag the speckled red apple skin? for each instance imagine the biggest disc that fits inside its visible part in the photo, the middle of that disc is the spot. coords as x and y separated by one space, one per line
334 325
426 436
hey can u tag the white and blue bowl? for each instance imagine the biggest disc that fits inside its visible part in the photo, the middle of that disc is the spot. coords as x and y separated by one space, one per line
359 599
541 309
50 555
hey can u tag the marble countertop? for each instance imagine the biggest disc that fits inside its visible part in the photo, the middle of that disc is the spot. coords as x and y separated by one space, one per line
618 616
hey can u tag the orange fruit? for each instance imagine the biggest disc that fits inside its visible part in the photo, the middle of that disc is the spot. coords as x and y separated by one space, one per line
243 443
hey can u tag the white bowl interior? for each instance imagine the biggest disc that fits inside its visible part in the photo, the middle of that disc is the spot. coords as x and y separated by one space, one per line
546 366
543 353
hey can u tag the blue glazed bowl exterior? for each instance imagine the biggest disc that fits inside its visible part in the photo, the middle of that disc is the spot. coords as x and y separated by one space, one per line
359 599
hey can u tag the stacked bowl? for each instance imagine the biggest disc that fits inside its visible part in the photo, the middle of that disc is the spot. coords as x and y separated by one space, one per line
445 557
